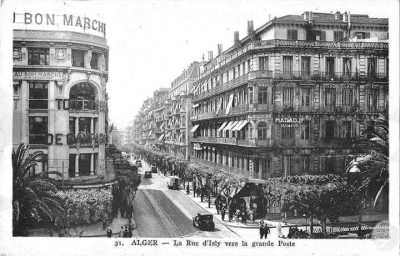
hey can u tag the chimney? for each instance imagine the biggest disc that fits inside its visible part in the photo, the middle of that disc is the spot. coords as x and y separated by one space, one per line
345 17
210 55
250 27
338 16
236 38
219 46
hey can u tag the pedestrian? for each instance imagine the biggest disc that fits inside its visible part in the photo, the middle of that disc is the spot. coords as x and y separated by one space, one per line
109 232
187 189
262 229
279 229
267 230
223 213
126 232
121 232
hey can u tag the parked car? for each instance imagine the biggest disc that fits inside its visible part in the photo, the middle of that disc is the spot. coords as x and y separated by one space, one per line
154 169
174 182
138 163
204 221
147 174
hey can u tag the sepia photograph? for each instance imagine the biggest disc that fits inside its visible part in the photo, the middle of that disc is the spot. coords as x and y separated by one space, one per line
210 127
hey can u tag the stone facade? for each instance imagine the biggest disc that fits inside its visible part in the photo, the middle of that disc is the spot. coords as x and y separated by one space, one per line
60 100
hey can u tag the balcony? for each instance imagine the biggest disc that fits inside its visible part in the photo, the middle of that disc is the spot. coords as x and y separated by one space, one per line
251 142
293 76
225 59
83 105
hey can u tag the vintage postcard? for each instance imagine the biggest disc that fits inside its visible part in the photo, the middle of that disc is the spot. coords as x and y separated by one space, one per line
186 127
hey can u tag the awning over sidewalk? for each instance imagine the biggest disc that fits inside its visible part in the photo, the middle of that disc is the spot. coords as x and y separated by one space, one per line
161 137
233 124
194 128
222 126
240 125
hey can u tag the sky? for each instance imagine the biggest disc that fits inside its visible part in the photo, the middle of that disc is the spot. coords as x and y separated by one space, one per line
152 41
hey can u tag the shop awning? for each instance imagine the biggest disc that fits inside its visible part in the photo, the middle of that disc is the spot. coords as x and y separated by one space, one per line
196 105
150 132
194 128
241 125
222 126
234 123
161 137
228 126
234 128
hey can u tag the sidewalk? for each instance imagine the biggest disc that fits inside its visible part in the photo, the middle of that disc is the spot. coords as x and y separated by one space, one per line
233 223
366 218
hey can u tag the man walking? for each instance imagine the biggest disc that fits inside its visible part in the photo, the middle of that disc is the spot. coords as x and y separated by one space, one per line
266 231
262 229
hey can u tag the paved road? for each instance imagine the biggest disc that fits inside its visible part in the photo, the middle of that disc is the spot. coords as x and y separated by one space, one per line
160 212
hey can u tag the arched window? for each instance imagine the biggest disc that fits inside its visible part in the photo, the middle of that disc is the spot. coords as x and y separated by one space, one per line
262 131
82 96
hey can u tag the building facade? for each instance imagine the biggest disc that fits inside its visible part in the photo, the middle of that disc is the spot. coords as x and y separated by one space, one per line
291 96
60 98
177 129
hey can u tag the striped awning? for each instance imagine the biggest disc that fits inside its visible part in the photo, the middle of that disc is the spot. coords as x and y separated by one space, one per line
234 128
222 126
161 137
228 126
233 124
241 125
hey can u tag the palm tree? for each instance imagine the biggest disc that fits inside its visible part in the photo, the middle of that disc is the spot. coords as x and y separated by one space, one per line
34 195
372 167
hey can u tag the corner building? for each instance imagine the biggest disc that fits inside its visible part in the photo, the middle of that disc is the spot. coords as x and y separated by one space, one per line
60 100
291 96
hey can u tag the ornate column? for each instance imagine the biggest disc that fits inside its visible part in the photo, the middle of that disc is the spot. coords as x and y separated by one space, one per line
76 126
91 163
76 165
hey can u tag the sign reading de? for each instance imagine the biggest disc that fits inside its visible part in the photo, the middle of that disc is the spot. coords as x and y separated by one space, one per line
59 22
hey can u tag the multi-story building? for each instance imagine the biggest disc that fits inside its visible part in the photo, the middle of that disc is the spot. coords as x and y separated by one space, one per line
59 85
289 97
149 122
178 111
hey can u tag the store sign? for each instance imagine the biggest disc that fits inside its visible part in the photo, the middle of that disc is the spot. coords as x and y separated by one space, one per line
289 121
53 21
42 75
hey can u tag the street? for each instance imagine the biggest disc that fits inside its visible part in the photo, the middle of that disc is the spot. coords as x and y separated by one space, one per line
160 212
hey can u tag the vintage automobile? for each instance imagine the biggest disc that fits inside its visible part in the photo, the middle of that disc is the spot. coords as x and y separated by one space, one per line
153 169
204 221
138 163
147 174
174 182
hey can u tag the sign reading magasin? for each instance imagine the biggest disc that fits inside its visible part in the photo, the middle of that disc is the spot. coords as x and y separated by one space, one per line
41 75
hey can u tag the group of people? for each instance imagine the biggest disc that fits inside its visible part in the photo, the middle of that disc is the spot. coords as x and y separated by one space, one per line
264 230
295 232
123 196
126 231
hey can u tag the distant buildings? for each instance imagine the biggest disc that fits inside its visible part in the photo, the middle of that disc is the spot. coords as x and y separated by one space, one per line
287 99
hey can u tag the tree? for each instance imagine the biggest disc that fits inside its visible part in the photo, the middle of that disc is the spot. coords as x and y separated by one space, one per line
372 168
326 202
34 195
